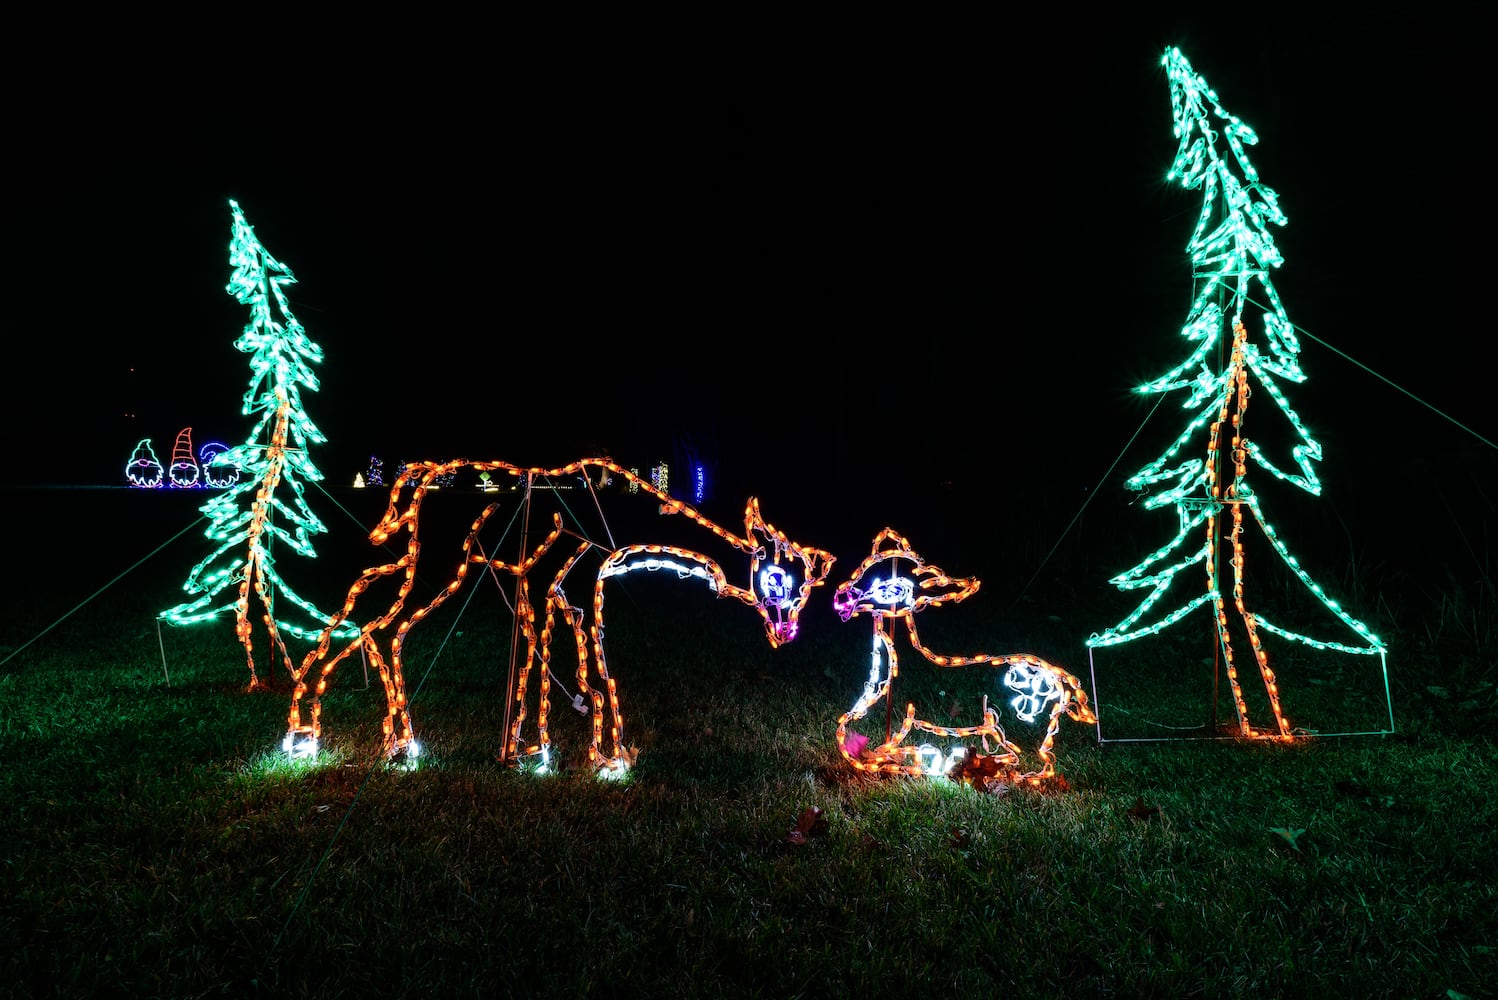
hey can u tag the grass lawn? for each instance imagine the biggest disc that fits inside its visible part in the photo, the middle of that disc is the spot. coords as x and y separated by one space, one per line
156 843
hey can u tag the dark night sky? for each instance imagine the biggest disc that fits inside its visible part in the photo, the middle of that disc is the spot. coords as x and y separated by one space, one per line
520 251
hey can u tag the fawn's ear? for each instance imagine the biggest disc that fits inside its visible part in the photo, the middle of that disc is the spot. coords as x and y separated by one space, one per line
936 588
890 544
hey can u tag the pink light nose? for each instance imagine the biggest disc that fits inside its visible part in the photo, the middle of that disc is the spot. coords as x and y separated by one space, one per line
781 632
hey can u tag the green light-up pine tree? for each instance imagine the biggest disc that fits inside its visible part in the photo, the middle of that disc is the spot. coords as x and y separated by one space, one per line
1242 344
248 518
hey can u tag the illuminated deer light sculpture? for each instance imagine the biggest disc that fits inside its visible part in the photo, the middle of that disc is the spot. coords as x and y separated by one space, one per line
1040 690
780 577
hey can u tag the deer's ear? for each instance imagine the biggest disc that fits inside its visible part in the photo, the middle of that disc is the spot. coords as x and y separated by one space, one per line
942 589
753 521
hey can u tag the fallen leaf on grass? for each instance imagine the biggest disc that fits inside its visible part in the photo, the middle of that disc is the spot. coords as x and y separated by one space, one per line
1141 811
977 769
1289 836
960 837
809 822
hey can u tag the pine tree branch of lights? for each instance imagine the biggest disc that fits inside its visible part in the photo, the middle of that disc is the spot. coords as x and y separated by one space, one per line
253 513
1237 320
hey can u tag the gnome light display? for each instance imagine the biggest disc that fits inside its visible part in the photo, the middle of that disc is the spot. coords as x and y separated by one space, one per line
183 473
214 466
1241 340
219 470
249 516
144 469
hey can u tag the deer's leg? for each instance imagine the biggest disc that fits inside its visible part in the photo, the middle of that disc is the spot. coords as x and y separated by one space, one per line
397 736
533 650
618 761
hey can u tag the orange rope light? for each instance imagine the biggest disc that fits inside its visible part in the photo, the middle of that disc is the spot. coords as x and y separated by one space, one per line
1039 687
1229 497
781 575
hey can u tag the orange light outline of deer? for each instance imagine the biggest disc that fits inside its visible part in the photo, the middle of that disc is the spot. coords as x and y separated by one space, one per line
899 598
779 607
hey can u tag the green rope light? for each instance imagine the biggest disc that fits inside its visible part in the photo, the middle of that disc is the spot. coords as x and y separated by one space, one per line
246 519
1204 473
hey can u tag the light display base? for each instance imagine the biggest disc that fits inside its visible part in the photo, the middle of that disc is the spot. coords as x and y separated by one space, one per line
1169 689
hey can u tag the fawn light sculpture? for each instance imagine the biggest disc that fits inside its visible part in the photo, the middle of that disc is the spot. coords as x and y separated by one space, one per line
894 584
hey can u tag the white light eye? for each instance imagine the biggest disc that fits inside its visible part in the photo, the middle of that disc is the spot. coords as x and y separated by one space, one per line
894 591
776 586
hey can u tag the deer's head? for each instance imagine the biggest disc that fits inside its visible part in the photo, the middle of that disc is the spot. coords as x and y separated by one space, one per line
782 574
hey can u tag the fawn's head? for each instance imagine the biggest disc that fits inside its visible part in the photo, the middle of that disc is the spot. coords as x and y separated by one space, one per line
881 587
